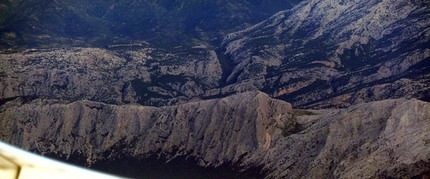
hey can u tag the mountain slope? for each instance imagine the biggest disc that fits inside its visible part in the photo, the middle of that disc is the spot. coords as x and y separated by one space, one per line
338 52
61 23
319 54
215 132
146 76
135 101
250 131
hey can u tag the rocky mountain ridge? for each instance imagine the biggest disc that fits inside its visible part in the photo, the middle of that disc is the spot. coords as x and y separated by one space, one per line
305 56
365 64
381 139
352 51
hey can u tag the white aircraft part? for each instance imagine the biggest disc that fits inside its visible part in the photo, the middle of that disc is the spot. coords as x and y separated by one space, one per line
16 163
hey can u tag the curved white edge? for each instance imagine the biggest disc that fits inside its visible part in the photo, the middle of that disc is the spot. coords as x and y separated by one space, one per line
16 163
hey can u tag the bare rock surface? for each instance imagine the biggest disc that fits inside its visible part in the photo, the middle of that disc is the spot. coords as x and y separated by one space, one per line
215 131
318 54
205 102
324 51
381 139
146 76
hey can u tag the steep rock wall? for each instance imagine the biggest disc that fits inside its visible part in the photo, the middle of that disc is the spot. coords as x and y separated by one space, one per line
381 139
214 131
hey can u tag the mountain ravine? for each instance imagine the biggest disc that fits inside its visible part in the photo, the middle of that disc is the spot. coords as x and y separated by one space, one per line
384 139
319 54
325 89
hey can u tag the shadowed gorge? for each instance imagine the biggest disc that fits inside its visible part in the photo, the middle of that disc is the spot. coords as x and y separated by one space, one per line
220 89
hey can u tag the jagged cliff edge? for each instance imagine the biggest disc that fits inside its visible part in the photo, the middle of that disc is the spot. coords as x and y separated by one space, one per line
381 139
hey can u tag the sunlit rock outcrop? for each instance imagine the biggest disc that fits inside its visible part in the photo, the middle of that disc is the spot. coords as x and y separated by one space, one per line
380 139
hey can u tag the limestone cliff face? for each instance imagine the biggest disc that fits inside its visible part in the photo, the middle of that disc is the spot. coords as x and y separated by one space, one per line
204 102
371 140
384 139
214 131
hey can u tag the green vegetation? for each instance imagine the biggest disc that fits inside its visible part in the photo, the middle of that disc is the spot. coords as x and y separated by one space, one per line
291 126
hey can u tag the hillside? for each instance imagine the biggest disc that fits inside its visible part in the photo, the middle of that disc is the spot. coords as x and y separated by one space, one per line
220 89
61 23
248 135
